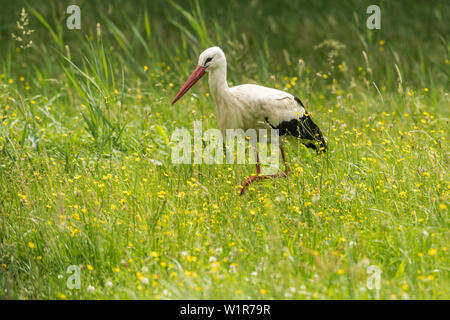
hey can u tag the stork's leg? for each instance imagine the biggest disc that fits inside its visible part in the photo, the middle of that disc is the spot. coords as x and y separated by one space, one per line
287 170
252 178
260 177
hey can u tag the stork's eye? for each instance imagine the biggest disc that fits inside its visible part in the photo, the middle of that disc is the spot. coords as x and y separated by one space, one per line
208 60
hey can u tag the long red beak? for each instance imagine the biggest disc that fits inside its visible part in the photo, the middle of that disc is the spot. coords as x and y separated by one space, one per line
193 78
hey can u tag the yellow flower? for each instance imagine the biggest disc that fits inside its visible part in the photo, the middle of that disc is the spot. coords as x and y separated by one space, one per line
442 206
145 68
325 76
89 267
62 296
432 252
299 170
405 287
31 245
262 291
340 271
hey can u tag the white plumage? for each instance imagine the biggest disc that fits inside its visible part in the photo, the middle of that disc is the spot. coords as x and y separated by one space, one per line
246 106
251 106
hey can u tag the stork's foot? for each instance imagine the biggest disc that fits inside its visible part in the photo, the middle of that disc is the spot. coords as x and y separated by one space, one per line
260 177
248 181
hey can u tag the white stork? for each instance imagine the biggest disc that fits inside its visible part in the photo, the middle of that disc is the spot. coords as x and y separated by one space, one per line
251 106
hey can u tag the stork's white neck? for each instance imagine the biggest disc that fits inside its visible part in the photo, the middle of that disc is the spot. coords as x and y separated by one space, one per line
218 83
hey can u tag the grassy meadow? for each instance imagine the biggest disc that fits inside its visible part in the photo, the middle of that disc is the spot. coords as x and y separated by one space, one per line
86 177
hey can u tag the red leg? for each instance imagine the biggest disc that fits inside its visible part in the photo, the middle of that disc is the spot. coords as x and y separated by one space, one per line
260 177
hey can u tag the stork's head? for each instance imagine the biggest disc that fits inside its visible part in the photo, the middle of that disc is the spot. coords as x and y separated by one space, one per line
209 60
212 58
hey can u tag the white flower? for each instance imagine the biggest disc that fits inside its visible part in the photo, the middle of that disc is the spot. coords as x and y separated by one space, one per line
144 269
212 259
144 280
184 253
90 289
109 284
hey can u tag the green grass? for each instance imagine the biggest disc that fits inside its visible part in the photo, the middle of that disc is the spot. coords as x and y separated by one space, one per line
86 176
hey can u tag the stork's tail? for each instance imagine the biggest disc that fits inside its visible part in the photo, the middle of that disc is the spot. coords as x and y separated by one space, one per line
310 131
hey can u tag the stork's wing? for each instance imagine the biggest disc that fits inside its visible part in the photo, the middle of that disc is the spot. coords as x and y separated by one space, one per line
281 110
270 105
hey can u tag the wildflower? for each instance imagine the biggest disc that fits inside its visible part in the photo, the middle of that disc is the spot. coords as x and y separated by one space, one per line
89 267
31 245
262 291
23 31
145 68
442 206
432 252
299 170
90 289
